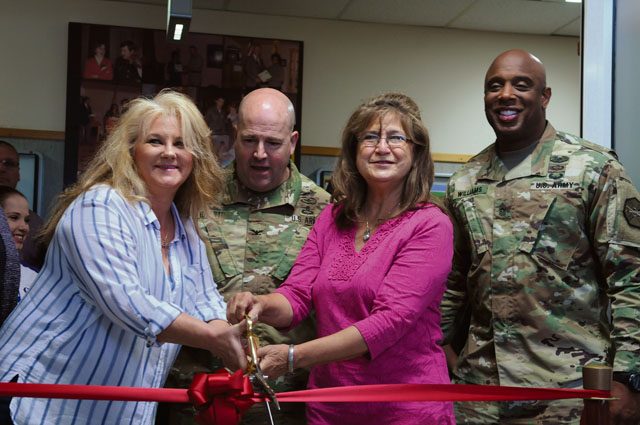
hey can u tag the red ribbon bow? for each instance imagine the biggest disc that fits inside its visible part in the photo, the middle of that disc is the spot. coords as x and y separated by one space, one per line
220 398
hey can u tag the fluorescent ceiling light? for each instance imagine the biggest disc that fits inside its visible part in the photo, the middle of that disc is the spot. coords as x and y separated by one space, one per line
178 19
177 34
573 1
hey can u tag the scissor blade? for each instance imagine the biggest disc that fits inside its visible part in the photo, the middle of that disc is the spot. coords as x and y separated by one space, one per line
267 388
269 412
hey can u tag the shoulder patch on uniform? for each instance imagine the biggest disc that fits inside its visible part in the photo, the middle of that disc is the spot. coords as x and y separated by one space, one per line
632 212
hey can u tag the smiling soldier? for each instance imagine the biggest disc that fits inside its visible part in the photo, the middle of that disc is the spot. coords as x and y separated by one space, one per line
546 259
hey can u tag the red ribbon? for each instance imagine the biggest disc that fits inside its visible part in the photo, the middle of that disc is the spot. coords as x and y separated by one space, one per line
220 398
94 392
434 392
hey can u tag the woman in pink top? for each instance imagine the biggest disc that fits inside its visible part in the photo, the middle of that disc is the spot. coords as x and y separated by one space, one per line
374 269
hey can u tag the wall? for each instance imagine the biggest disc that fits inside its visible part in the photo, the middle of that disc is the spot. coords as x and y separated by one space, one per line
627 89
344 62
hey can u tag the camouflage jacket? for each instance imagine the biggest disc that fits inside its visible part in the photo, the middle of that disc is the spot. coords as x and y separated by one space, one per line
546 264
252 246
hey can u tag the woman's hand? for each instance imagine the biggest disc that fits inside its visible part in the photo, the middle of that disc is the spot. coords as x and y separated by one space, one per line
274 360
241 304
226 344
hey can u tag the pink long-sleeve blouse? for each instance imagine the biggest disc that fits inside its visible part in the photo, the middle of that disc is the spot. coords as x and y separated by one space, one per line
390 291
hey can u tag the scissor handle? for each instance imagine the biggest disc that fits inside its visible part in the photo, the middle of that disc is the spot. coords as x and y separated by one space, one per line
253 343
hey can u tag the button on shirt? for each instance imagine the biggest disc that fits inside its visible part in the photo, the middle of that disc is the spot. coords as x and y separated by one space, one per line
96 308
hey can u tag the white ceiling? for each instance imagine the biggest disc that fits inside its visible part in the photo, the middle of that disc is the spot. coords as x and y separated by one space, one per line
547 17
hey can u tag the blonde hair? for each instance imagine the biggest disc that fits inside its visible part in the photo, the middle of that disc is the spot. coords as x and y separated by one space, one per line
350 189
113 164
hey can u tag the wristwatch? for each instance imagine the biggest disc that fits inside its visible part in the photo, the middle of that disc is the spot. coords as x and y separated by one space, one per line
630 379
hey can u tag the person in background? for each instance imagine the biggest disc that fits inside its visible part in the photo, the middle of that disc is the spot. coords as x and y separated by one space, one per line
216 118
124 104
252 67
547 258
16 210
225 149
86 118
126 279
9 165
9 272
111 119
32 254
194 67
98 66
277 72
174 69
9 290
232 116
267 212
374 270
128 67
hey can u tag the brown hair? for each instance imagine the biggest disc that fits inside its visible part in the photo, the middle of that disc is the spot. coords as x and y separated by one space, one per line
7 191
350 189
113 164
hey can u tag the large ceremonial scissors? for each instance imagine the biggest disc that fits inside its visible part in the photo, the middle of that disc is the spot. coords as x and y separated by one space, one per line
257 378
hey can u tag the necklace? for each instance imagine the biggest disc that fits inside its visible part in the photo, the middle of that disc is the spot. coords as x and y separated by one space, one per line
165 241
367 230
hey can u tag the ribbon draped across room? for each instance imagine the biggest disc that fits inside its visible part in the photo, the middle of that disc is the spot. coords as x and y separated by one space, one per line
220 398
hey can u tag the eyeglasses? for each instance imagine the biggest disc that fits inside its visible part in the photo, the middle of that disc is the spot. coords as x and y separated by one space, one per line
371 140
9 163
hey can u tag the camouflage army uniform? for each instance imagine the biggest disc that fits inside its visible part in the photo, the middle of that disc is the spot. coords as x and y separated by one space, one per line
542 250
251 247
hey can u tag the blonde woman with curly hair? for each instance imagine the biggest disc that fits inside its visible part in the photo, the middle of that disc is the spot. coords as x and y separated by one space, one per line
126 278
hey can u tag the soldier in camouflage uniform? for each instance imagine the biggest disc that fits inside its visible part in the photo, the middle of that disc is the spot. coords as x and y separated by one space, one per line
547 257
268 211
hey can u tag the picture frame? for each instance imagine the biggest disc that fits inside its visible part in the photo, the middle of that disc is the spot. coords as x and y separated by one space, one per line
109 65
215 56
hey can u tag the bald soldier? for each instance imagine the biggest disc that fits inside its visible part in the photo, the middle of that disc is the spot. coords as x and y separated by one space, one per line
546 261
268 211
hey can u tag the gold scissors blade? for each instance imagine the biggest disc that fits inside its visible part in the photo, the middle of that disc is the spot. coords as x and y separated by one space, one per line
266 388
253 368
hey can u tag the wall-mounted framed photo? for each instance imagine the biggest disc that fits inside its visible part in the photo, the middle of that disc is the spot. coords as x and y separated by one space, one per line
110 65
215 56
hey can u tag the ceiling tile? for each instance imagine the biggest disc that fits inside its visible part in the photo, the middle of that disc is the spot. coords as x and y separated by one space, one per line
518 16
158 2
328 9
208 4
408 12
572 28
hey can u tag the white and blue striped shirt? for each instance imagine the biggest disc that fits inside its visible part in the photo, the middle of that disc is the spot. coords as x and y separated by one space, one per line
94 311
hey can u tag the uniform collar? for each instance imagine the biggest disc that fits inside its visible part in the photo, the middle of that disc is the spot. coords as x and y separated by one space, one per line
535 164
288 193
